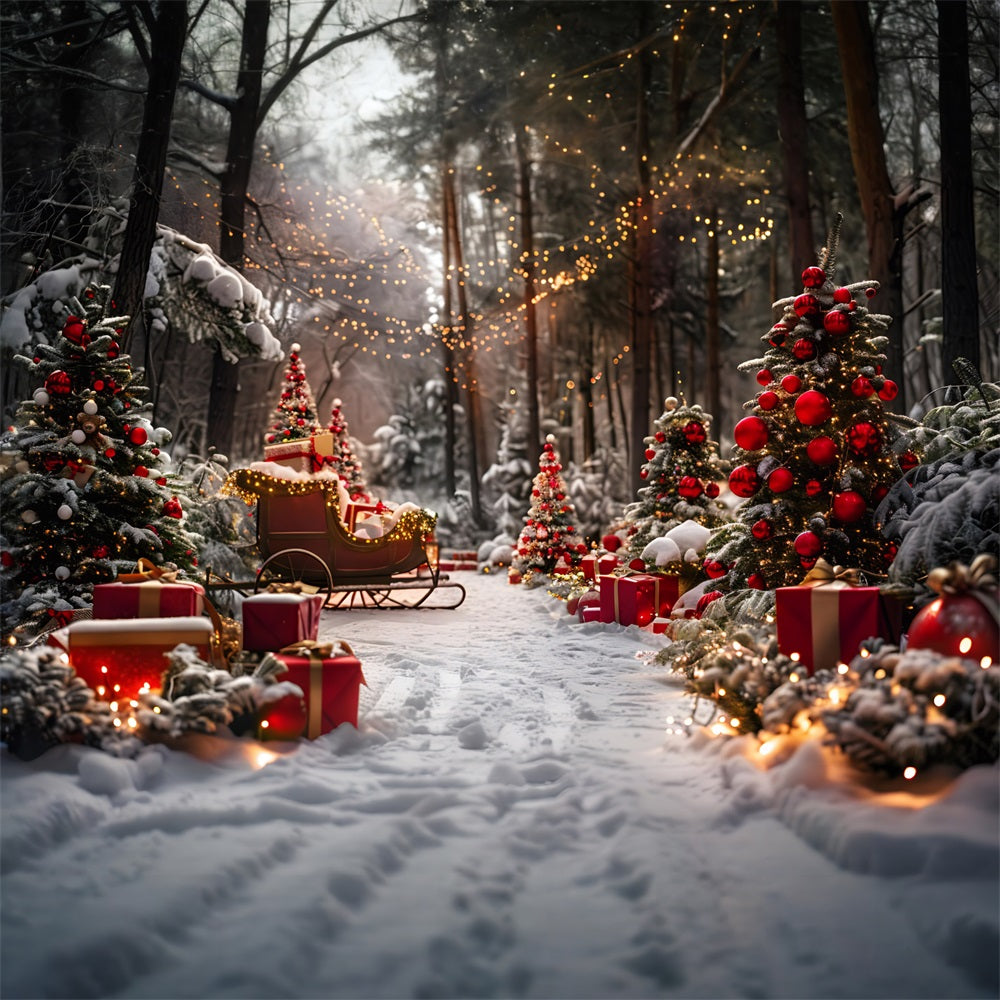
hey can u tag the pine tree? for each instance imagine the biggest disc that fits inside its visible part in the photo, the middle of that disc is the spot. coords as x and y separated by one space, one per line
83 494
813 457
682 462
507 481
347 464
549 535
295 414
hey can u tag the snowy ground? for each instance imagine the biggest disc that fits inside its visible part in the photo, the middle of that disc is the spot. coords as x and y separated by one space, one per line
511 819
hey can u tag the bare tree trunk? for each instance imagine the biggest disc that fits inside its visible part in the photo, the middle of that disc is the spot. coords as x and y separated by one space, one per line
612 433
233 192
530 315
167 44
793 127
451 386
587 392
712 394
959 292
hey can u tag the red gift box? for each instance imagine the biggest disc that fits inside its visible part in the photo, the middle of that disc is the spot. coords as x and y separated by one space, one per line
354 511
588 599
637 599
304 454
590 614
660 625
273 621
824 621
594 566
120 657
450 566
148 599
330 677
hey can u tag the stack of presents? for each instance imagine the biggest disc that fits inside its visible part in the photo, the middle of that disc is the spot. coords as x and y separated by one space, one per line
138 619
821 623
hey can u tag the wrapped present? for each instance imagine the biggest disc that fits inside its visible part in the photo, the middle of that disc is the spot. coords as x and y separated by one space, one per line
149 592
460 555
273 621
638 598
120 657
310 454
595 566
590 614
827 617
330 677
354 512
660 625
588 599
450 566
513 576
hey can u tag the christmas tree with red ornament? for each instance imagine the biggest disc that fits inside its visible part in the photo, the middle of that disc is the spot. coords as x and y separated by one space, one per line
84 489
295 414
682 464
548 539
813 457
345 462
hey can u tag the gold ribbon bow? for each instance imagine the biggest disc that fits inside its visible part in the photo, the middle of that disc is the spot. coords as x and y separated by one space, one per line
146 570
976 580
823 572
311 648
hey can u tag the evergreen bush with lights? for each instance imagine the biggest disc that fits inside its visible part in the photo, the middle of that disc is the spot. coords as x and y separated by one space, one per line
549 535
295 414
84 490
682 464
813 458
346 464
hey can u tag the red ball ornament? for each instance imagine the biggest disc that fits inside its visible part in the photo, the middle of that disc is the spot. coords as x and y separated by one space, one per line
650 454
804 350
837 322
52 463
813 487
813 277
743 481
822 450
75 332
842 296
114 349
762 530
889 390
101 552
694 433
137 435
644 473
864 438
955 625
862 387
768 400
808 545
756 582
712 490
764 377
806 306
611 542
849 506
690 487
908 461
791 384
110 453
780 481
750 434
283 719
813 408
141 471
59 384
705 600
871 293
161 481
660 437
714 569
172 508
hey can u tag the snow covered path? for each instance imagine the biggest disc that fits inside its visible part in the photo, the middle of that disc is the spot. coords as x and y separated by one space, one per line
510 820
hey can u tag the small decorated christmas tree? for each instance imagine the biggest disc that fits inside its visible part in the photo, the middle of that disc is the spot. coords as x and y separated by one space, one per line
295 415
682 462
84 492
813 457
346 463
549 536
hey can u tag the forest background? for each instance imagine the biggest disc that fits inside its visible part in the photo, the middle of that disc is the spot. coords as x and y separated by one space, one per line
485 222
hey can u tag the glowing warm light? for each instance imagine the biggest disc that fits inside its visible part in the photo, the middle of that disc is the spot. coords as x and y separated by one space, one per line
113 706
265 724
263 757
864 652
965 645
793 677
132 723
794 657
765 748
986 662
910 772
939 700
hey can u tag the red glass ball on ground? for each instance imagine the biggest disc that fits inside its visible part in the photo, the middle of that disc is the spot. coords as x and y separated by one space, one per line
768 400
750 434
694 432
864 438
837 322
804 349
283 719
761 530
842 295
813 277
714 569
806 305
808 545
764 377
955 625
690 487
889 390
813 488
780 481
822 450
862 387
813 408
743 481
849 507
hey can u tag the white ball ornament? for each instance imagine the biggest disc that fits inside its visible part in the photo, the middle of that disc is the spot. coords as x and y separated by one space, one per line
90 407
65 512
41 397
670 403
296 348
29 516
78 436
62 572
